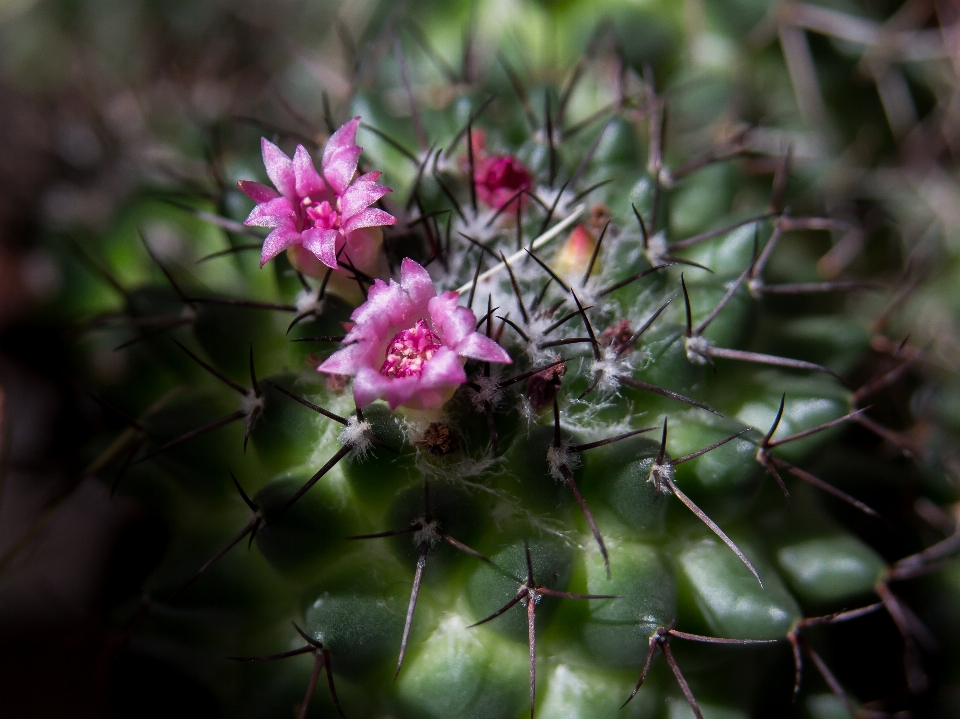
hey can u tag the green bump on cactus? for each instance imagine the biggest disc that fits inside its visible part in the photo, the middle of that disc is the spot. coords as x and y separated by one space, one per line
728 599
617 631
830 569
359 630
490 587
581 691
618 477
377 473
300 540
472 673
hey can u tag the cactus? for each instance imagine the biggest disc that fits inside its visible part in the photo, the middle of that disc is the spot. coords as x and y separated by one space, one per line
562 425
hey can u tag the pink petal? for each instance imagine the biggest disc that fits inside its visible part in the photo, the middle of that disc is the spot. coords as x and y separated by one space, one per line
458 325
480 347
346 136
416 283
308 180
348 361
279 168
306 262
379 295
272 213
277 241
365 247
432 398
323 244
399 390
378 289
440 309
362 193
369 386
370 217
339 171
256 191
444 369
387 306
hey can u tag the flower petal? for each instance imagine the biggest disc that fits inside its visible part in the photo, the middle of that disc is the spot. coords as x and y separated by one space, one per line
346 136
361 194
348 360
399 390
432 398
323 244
284 236
257 191
377 290
444 369
279 168
416 283
369 386
364 247
457 326
480 347
339 171
386 306
272 213
396 308
440 309
308 180
370 217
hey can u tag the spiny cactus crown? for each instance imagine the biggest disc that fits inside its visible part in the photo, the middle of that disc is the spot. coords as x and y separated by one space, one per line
556 545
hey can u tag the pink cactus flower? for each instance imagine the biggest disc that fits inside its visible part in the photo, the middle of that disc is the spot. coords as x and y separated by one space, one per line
408 344
323 212
498 178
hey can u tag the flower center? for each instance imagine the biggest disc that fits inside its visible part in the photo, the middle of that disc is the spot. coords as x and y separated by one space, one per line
408 350
321 214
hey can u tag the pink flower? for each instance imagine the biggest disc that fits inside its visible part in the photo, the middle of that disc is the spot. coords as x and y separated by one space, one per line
321 211
499 178
408 343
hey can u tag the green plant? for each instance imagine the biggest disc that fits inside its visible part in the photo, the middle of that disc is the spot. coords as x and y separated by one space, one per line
661 467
